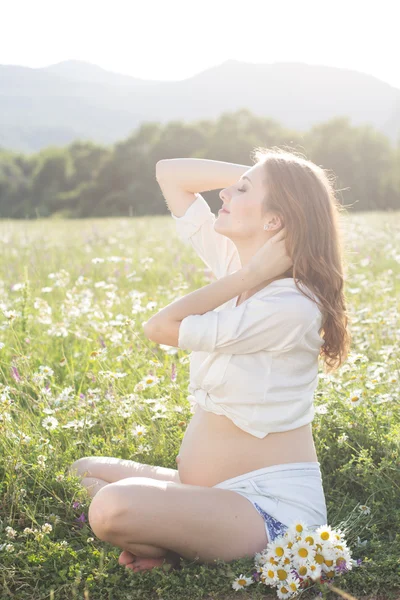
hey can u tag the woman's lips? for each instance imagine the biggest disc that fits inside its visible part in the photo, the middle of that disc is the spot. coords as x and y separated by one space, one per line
223 210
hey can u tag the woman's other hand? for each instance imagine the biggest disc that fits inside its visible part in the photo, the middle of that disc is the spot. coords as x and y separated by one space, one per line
271 260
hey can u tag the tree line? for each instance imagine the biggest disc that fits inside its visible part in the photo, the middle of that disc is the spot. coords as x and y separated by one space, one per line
85 179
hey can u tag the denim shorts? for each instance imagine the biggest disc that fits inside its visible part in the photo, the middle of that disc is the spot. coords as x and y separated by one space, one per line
282 494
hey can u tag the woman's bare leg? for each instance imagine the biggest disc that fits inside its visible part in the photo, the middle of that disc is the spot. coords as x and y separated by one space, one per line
93 485
142 556
113 469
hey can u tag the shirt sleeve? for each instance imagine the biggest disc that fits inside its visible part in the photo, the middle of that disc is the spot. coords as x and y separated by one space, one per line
196 228
272 323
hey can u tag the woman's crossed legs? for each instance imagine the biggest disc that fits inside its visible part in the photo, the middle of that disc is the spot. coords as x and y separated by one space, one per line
147 511
98 471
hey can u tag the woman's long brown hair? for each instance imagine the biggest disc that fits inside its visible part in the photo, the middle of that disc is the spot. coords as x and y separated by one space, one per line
303 195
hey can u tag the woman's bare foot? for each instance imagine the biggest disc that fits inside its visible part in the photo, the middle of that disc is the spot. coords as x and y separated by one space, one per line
140 563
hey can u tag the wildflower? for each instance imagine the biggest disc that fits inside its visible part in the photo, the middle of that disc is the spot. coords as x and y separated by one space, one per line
241 582
15 374
46 371
324 532
278 548
50 423
356 397
302 551
41 460
342 438
292 584
298 528
283 591
139 431
365 509
10 532
81 519
269 573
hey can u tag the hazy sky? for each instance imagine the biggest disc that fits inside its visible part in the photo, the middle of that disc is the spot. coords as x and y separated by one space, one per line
175 39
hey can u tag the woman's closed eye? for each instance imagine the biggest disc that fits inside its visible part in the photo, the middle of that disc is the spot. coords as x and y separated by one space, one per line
239 190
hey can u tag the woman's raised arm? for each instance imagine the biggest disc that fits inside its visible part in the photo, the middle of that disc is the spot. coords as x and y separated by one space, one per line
180 178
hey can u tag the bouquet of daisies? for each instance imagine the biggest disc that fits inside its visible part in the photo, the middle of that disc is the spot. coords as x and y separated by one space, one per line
302 556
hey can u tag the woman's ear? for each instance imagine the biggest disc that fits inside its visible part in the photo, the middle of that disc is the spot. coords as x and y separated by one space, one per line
277 222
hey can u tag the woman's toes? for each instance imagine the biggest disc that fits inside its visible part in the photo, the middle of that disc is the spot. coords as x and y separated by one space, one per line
146 564
126 558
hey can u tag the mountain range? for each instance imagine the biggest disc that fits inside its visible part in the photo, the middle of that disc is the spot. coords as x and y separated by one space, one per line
71 100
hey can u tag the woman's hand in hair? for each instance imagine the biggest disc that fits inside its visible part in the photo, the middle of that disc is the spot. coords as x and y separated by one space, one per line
271 260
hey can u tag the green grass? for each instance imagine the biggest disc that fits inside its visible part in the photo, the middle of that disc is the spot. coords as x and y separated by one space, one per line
72 349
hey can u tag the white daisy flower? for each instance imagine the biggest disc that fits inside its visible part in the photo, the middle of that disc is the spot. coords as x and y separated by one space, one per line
297 528
324 533
283 572
356 397
278 548
139 431
50 423
292 583
283 591
269 572
365 509
241 582
315 571
302 551
304 569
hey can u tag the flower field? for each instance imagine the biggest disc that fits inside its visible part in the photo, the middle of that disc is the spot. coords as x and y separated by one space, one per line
78 378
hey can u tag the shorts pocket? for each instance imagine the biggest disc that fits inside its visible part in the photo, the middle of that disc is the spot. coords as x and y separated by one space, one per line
263 491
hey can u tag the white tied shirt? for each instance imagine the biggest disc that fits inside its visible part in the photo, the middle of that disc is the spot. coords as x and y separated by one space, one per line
256 363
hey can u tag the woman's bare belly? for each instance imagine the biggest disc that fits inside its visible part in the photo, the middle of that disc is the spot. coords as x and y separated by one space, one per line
214 449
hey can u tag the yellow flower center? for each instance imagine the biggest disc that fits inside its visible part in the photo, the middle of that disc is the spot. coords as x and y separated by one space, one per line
328 563
330 574
310 540
271 574
303 552
319 559
282 574
279 551
325 535
302 570
284 590
242 582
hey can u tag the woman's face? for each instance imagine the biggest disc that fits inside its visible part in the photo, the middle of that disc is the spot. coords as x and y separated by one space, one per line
244 201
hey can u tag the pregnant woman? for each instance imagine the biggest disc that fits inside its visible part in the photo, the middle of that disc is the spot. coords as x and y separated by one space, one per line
247 467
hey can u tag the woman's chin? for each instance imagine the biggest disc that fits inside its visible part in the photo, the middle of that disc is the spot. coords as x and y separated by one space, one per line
220 227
